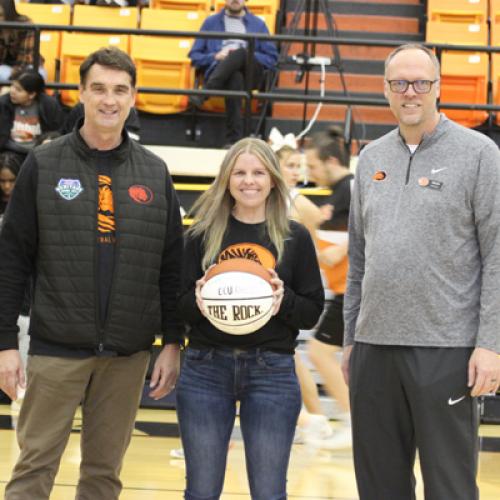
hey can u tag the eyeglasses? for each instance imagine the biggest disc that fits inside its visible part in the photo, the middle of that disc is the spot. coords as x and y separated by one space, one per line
419 86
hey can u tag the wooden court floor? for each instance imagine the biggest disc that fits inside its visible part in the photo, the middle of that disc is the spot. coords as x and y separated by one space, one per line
150 474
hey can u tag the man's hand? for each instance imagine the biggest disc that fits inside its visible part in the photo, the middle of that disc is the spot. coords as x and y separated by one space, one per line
11 373
222 54
165 371
346 356
484 372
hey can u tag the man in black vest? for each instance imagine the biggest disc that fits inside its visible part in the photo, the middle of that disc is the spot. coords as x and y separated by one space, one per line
95 219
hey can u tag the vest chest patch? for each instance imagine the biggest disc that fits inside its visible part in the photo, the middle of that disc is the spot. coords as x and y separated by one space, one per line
69 189
141 194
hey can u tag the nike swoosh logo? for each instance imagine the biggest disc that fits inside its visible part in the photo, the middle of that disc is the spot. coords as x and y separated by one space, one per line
436 170
452 402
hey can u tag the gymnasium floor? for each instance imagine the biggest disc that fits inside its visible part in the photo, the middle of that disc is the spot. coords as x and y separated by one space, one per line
150 474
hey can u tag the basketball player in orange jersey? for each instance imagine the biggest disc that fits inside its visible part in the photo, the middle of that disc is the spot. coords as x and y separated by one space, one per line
313 423
245 214
328 166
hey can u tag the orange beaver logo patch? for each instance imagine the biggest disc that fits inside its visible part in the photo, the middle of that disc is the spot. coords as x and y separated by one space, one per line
141 194
249 251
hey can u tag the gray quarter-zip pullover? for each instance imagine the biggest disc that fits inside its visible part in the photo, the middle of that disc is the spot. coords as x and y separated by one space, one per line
424 242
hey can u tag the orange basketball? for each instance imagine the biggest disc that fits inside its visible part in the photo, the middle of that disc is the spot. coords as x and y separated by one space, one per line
239 265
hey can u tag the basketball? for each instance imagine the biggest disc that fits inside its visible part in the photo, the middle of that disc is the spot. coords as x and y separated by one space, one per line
238 296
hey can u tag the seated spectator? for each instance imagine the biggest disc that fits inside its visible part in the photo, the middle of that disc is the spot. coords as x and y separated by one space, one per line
16 46
27 112
224 61
132 124
10 164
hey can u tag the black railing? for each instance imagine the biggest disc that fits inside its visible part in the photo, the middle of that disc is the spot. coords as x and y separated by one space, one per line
248 93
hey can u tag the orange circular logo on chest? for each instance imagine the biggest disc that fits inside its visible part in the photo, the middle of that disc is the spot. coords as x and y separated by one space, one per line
141 194
379 175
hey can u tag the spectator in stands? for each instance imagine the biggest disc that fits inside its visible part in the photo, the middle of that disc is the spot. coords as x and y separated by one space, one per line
10 164
422 306
223 62
132 124
16 46
101 295
27 112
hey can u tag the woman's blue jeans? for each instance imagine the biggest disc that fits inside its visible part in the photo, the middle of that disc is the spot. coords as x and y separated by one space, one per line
210 384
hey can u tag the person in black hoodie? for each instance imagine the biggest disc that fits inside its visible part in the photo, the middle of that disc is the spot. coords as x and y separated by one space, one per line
245 213
95 220
26 112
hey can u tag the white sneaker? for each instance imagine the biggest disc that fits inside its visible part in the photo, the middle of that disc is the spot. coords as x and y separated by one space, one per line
317 427
298 437
340 439
177 453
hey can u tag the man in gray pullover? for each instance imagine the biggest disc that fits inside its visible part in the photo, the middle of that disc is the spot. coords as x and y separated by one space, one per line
422 307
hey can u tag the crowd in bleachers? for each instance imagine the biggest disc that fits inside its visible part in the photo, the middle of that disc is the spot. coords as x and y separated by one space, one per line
164 61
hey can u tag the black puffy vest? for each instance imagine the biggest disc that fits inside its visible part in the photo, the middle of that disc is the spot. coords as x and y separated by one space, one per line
65 309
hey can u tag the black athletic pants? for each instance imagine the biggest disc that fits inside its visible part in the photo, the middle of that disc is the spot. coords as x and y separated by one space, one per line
230 74
409 398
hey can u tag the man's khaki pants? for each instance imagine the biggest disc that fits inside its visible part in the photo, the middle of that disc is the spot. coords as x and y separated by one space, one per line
109 389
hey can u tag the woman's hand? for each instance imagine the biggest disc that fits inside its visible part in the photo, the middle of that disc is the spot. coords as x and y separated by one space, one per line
278 291
197 291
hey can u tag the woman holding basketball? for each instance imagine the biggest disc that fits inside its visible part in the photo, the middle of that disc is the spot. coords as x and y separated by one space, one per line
244 214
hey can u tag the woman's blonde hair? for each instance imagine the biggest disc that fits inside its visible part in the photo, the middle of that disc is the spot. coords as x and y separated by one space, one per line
213 208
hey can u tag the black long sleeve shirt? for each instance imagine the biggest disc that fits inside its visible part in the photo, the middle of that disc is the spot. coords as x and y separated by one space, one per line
304 294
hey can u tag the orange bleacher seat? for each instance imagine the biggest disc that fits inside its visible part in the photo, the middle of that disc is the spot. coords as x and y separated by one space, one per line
464 79
161 62
475 11
104 17
199 5
495 78
495 22
75 47
174 61
50 41
177 20
457 33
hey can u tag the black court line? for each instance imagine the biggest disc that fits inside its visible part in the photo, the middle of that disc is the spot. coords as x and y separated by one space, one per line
151 429
490 444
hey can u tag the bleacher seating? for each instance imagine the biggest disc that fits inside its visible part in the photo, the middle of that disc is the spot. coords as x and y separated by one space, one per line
495 58
465 11
457 33
464 75
161 62
105 17
75 47
165 58
464 78
199 5
50 41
